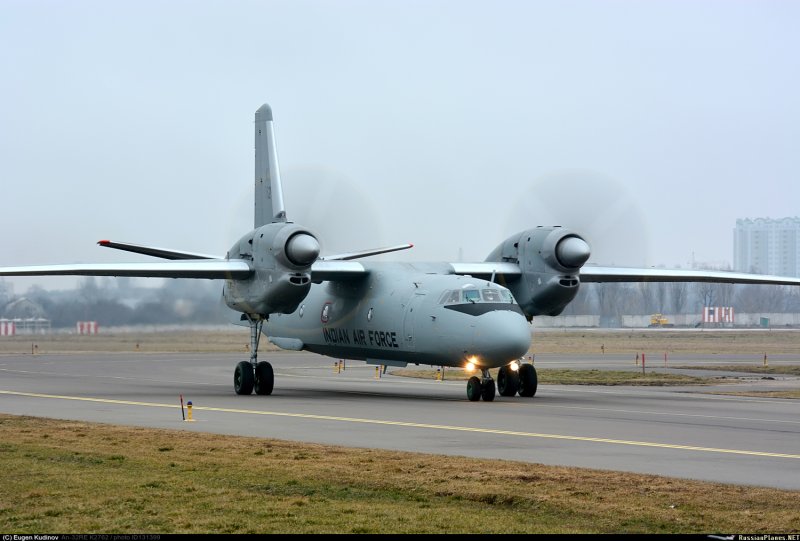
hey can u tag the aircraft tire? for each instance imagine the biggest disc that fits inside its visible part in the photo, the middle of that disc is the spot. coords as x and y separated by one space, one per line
507 381
474 389
488 390
265 378
243 378
528 380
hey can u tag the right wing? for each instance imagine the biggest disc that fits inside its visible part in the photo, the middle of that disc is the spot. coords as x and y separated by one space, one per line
163 253
183 265
366 253
198 268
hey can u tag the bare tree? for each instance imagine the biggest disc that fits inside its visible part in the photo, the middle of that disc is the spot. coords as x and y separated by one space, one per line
678 293
706 293
647 294
6 294
661 296
583 303
725 293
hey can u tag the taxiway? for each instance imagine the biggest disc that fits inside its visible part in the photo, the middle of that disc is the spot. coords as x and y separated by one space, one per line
673 431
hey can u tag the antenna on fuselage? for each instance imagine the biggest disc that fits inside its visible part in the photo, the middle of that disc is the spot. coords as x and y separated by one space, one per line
268 190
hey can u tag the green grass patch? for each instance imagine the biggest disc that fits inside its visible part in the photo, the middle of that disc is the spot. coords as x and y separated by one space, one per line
100 478
791 394
785 369
559 376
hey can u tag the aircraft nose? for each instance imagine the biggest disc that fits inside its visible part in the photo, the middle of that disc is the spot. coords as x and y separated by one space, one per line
501 337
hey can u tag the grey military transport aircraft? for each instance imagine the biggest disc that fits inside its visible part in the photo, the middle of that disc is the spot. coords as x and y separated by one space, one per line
468 315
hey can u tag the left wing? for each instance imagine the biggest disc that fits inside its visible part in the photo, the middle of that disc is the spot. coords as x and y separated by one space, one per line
593 274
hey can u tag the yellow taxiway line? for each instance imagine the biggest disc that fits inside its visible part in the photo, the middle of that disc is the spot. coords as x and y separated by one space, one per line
414 425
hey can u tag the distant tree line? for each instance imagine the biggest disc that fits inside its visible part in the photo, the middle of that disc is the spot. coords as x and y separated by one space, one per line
116 302
617 299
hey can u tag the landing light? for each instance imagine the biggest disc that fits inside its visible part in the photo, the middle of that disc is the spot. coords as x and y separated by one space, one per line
514 365
470 366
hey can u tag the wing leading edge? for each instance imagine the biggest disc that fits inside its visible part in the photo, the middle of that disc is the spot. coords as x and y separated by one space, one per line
206 268
593 274
621 274
152 251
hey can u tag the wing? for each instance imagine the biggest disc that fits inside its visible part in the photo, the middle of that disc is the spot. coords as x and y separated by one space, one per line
338 267
184 265
366 253
322 271
591 273
163 253
205 268
487 269
333 270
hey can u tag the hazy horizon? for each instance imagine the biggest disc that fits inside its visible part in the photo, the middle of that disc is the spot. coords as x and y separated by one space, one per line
647 127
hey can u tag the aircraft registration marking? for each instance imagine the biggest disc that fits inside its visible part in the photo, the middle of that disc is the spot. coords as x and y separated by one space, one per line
414 425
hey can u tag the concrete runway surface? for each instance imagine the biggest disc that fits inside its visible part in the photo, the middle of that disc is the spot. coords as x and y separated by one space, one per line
673 431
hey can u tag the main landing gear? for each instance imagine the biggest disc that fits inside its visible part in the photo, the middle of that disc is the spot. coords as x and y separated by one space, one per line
254 375
524 381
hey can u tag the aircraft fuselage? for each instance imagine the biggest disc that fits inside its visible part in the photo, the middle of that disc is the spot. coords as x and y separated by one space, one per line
405 313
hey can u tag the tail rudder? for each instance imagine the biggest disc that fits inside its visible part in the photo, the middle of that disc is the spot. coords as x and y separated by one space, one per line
268 191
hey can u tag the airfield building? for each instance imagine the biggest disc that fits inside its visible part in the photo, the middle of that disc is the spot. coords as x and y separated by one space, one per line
767 246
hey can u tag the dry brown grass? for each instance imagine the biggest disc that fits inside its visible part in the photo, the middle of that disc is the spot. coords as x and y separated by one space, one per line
231 341
630 342
756 343
561 376
64 476
764 394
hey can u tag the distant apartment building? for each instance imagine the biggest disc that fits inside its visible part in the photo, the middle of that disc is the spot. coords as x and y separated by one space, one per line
767 246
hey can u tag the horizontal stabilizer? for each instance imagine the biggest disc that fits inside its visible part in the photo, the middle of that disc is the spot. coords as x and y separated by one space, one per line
163 253
613 274
204 268
366 253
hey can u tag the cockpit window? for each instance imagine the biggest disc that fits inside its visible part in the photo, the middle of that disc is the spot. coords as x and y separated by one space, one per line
491 295
464 296
472 295
450 297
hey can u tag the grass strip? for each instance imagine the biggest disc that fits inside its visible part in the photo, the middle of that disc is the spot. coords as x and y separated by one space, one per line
789 370
763 394
77 477
559 376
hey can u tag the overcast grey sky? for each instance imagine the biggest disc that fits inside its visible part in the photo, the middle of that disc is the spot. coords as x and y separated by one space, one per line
649 127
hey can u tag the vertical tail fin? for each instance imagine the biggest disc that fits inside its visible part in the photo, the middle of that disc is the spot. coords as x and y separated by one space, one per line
268 192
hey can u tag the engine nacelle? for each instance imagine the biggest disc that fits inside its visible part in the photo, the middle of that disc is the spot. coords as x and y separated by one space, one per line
550 259
281 255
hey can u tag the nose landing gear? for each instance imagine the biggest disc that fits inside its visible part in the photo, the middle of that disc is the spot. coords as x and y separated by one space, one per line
481 388
509 382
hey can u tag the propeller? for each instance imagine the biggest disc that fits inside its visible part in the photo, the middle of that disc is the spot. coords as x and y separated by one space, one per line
597 207
342 214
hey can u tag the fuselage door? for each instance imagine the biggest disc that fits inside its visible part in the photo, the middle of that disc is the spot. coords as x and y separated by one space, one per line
409 329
